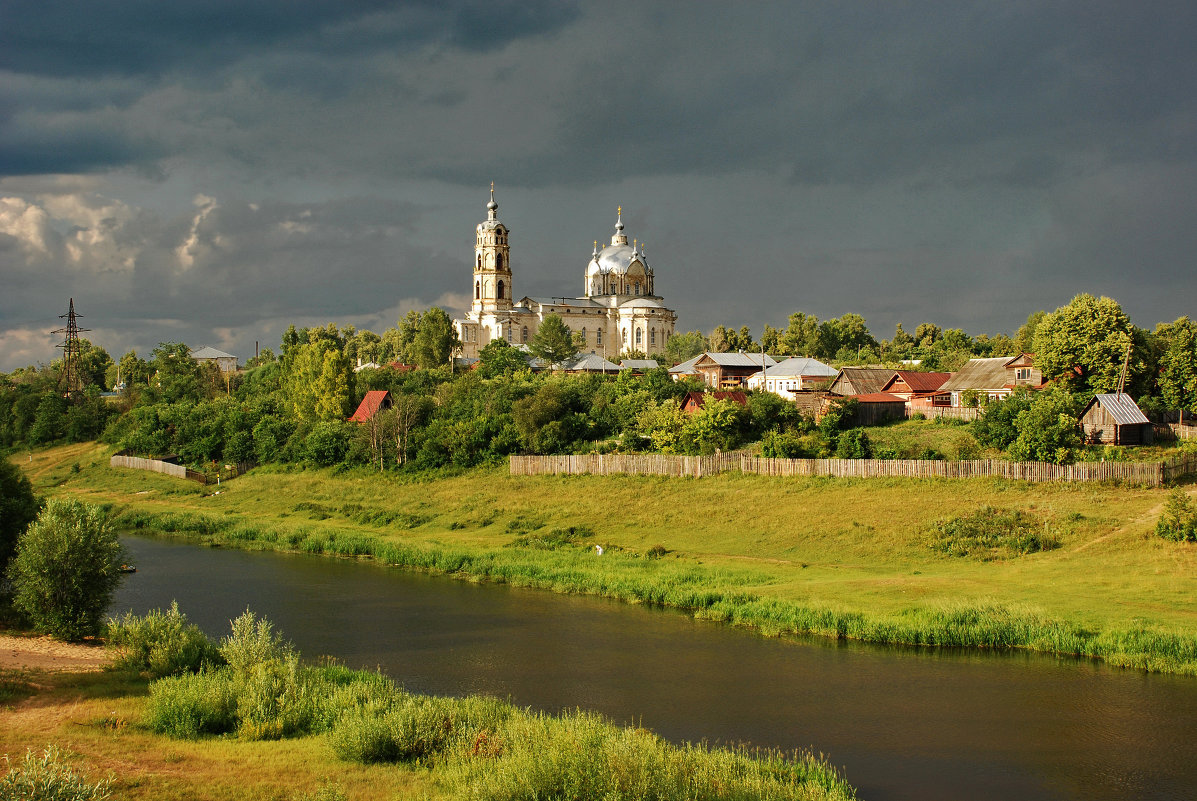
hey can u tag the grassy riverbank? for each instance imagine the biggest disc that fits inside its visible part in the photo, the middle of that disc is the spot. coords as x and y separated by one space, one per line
276 729
830 557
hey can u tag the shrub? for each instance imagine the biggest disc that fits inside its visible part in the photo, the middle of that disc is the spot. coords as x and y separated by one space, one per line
46 778
853 444
991 533
553 539
253 642
66 569
1179 520
161 644
192 705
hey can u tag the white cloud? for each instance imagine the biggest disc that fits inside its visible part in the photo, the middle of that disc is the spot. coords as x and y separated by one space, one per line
26 222
191 245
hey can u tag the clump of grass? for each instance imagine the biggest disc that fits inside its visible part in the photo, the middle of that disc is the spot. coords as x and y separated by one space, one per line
161 644
554 538
656 552
14 688
48 777
523 525
990 533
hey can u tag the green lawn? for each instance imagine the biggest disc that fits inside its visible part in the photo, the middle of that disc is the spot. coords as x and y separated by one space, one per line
855 549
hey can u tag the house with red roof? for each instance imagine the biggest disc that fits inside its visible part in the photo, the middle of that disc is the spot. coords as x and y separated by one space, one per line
376 400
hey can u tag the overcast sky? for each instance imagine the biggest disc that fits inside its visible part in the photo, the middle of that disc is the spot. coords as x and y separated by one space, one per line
210 172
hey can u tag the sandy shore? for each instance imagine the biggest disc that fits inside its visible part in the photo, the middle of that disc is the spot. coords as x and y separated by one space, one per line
43 653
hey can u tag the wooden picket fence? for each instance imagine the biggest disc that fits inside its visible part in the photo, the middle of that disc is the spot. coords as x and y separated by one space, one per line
1152 474
157 466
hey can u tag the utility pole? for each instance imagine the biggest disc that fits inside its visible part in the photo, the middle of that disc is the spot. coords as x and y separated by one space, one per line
69 379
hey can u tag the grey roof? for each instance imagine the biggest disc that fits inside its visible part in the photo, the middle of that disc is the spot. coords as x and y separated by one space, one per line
802 366
686 367
1122 408
592 362
740 359
639 364
574 302
865 380
979 374
207 352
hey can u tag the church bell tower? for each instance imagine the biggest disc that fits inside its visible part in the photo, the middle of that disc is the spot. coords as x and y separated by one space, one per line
492 263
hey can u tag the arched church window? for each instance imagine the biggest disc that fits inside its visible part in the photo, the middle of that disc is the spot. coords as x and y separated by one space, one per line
637 287
583 333
477 290
508 333
598 337
524 334
652 337
639 334
498 261
625 335
500 295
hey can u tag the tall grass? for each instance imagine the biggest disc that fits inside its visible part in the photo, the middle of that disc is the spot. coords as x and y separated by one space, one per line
48 778
480 747
721 594
160 643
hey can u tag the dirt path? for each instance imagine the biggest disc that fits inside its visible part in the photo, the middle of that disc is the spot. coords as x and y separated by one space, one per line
43 653
1139 522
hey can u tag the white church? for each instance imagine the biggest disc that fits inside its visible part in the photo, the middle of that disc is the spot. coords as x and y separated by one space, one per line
620 313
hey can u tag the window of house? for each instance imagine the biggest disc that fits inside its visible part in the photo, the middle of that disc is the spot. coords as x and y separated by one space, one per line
1022 374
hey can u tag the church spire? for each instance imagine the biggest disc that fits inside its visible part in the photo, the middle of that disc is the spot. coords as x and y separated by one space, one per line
492 208
619 238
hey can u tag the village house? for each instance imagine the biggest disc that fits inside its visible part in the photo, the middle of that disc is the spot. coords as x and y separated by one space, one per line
225 362
685 369
376 400
725 370
696 400
917 389
873 408
1115 419
791 377
859 380
990 379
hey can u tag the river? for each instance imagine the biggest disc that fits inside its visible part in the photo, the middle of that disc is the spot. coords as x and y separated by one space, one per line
902 723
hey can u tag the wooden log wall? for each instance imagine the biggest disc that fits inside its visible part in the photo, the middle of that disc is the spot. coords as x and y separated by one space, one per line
1145 473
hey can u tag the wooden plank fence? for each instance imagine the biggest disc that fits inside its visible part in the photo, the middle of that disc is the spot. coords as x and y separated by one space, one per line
157 466
1151 474
945 412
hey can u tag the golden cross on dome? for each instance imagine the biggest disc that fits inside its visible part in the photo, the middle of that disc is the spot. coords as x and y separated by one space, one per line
619 210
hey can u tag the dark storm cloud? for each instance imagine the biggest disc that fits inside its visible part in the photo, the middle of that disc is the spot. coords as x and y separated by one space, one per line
964 163
80 37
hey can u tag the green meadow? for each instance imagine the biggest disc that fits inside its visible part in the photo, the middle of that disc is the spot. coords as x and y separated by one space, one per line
893 560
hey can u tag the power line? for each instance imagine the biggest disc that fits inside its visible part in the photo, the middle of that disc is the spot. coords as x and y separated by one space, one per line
69 380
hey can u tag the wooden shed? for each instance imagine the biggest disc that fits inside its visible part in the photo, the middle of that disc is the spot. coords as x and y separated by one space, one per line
1116 419
872 409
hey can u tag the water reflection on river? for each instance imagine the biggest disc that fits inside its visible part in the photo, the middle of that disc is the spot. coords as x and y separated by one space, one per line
903 723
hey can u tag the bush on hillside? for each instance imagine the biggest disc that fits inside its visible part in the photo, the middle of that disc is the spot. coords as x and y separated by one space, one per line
1179 520
67 567
161 644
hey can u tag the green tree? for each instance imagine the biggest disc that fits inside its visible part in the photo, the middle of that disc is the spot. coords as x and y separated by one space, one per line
435 340
1049 430
67 567
801 337
50 423
902 342
175 376
1024 338
130 371
319 383
771 340
682 347
554 341
18 508
1178 364
997 426
500 359
1083 344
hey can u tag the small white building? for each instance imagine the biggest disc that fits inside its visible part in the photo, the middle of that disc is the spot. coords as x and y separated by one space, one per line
794 375
227 362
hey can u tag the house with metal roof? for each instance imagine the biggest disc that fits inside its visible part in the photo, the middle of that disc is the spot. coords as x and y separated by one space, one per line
725 370
639 365
917 389
592 363
993 379
685 369
794 375
376 400
696 400
860 380
1115 419
226 362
